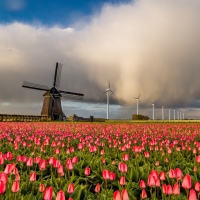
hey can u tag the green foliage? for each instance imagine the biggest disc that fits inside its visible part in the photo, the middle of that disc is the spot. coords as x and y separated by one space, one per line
139 117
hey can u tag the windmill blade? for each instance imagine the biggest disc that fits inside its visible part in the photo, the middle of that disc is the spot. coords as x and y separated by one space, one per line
56 82
70 93
112 92
72 97
35 86
108 83
139 96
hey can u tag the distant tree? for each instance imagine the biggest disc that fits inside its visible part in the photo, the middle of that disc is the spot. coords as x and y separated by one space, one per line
139 117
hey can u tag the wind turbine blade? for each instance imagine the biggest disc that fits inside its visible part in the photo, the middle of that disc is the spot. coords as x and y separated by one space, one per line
139 96
105 92
108 83
112 92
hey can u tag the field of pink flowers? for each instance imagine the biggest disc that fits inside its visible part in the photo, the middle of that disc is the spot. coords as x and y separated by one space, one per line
85 161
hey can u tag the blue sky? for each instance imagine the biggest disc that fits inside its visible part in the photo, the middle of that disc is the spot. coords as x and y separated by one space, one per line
50 12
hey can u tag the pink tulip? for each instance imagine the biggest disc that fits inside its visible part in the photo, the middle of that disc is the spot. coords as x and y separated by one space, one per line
197 186
142 184
2 187
176 189
48 192
15 187
151 180
41 188
197 159
43 164
33 177
29 162
122 167
106 174
178 174
87 171
69 164
125 194
112 176
187 182
97 188
117 195
171 173
122 180
192 195
125 157
60 195
70 188
162 176
144 194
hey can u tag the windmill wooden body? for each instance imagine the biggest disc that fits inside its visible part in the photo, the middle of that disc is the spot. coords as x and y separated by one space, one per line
52 97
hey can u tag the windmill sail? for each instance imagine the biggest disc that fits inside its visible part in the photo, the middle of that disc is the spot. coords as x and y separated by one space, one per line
57 75
35 86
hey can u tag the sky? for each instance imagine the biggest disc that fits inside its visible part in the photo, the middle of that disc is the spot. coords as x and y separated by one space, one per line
143 47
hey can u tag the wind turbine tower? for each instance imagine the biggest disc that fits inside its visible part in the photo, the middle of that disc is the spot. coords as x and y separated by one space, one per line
153 104
174 115
107 91
162 113
169 114
137 99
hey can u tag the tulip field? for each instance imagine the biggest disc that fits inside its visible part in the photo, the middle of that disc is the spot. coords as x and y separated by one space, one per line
102 161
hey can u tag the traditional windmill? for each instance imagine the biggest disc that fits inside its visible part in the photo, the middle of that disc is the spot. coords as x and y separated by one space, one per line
52 96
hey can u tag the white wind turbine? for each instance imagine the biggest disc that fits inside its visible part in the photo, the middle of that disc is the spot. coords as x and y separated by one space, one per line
153 104
107 91
137 99
162 113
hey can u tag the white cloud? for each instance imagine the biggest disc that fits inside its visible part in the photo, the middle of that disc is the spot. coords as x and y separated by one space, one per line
148 47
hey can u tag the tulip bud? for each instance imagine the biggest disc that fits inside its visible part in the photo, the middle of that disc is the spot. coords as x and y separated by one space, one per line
144 194
60 195
106 174
70 188
187 182
176 189
117 195
122 180
142 184
2 187
15 186
33 177
48 192
43 164
122 167
97 188
125 194
87 171
29 162
41 188
192 195
112 176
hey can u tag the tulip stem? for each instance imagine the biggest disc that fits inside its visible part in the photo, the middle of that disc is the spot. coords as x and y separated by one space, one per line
41 175
51 175
68 174
151 192
187 192
106 189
